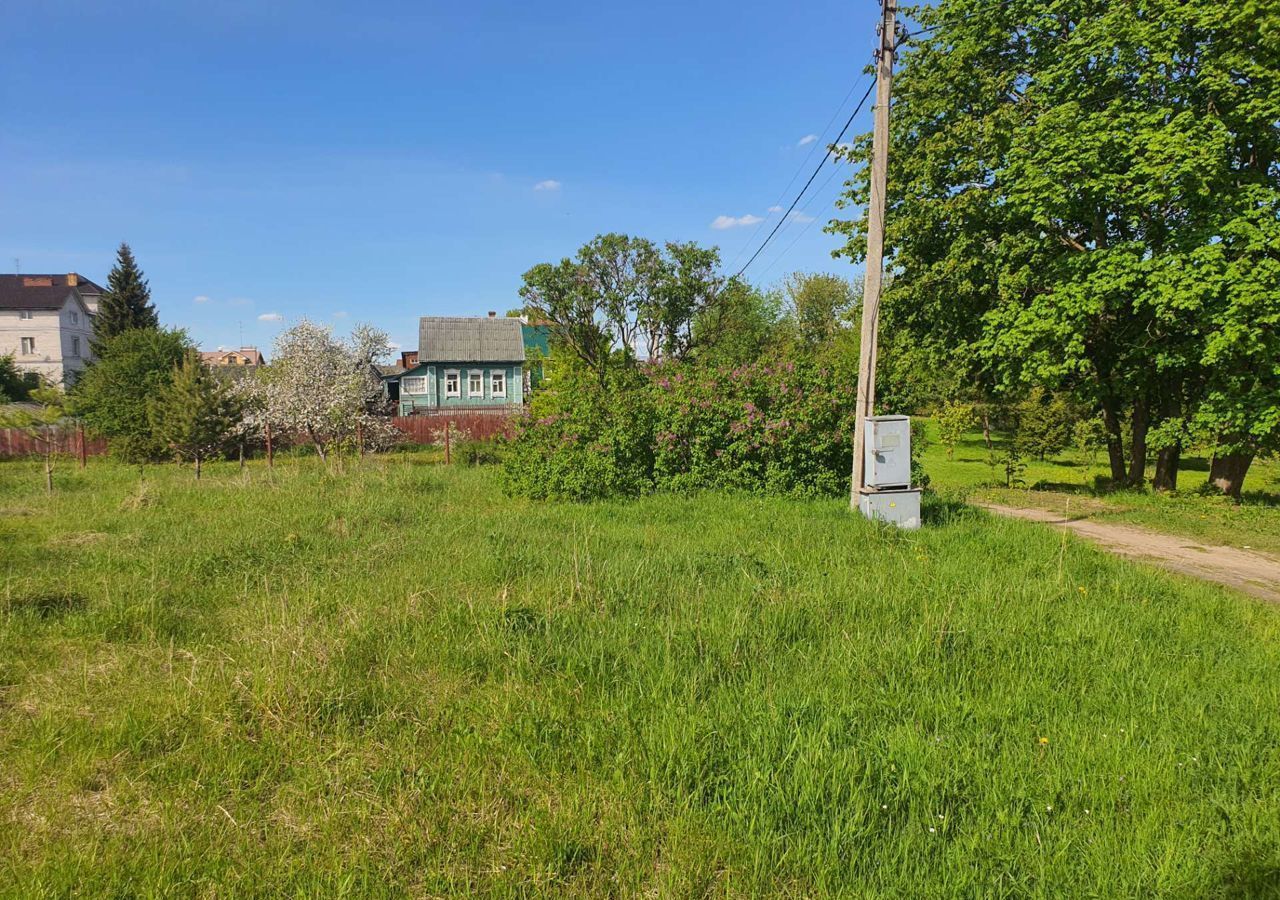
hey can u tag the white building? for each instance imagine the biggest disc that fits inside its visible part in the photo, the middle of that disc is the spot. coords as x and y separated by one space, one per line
46 322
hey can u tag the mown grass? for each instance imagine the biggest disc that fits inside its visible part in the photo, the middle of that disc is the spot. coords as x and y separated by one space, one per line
1074 483
399 682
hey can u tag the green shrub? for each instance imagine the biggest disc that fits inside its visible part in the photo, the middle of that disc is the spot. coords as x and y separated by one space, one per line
1045 423
770 428
583 439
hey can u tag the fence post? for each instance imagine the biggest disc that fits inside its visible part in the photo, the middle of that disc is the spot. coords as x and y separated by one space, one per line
448 426
80 436
271 460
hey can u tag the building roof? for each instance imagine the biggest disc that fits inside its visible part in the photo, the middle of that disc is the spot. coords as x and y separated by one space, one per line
469 339
41 291
216 357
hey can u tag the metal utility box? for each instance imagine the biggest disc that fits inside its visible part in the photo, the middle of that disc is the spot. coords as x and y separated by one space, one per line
901 508
887 452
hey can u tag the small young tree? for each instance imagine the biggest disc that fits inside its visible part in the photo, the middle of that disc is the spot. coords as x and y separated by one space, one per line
126 304
1044 423
1089 436
40 423
953 420
195 414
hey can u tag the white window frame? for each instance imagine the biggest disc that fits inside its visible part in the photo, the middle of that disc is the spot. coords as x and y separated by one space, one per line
419 380
75 347
501 376
28 346
454 376
26 314
474 375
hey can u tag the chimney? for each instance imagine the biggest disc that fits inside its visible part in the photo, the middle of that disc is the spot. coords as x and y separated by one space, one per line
72 279
492 314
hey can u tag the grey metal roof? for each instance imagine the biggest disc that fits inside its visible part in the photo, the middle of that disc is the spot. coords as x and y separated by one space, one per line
469 339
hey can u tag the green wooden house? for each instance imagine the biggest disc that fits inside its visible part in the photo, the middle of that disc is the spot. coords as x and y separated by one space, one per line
464 363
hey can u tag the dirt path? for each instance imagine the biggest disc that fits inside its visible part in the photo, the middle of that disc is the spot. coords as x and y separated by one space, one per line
1254 573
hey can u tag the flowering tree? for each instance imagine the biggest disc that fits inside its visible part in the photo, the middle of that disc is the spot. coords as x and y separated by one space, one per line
325 388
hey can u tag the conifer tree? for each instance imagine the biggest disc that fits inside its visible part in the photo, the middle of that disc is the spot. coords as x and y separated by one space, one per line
194 414
126 303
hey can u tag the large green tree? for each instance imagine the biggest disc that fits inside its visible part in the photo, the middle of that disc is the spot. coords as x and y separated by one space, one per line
623 296
126 303
1069 184
114 393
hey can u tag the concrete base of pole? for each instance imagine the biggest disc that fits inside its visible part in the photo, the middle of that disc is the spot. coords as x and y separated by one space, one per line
898 507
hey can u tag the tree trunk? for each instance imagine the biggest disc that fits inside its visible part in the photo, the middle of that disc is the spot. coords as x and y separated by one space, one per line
986 429
1138 447
1115 441
197 467
1167 462
242 456
271 457
1227 471
1169 458
48 470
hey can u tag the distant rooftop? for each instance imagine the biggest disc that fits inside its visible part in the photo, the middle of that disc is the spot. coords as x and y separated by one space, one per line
42 291
469 339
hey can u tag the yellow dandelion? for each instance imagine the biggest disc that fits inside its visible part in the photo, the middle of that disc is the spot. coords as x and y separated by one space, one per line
1043 741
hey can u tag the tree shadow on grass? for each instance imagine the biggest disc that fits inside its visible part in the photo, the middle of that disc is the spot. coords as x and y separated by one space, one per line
938 510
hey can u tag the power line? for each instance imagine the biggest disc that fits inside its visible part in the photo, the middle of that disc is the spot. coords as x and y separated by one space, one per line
800 168
826 156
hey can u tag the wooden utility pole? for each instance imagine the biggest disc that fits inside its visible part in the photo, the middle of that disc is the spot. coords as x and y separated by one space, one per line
875 242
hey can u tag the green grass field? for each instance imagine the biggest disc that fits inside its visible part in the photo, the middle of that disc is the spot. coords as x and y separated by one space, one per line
399 682
1068 483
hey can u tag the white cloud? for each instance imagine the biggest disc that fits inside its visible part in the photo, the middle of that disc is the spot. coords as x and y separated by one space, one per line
271 317
722 222
775 209
340 314
797 216
806 140
201 299
549 185
395 348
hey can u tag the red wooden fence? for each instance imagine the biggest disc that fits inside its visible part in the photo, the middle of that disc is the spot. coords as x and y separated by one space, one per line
421 429
15 442
429 428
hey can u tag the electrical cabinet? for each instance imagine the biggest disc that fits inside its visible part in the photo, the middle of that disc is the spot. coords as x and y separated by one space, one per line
887 452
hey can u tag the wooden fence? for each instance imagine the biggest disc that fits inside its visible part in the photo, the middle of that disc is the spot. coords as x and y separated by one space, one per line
421 429
480 426
67 439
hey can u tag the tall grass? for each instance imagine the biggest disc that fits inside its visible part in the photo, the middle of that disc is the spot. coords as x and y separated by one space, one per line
398 681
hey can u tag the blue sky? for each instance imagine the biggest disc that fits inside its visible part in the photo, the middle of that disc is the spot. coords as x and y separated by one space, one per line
379 161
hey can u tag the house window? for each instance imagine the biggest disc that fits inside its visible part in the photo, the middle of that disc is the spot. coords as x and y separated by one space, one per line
414 385
475 383
75 318
28 346
497 383
451 383
24 314
75 346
